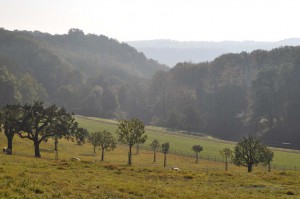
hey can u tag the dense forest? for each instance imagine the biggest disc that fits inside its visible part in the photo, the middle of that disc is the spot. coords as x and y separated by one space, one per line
234 95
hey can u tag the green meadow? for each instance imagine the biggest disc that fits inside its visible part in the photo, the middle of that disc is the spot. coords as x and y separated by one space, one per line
182 143
23 176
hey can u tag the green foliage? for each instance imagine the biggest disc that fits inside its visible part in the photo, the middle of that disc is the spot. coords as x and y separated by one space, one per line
10 117
250 151
94 140
165 147
131 132
39 123
154 145
226 153
81 135
197 148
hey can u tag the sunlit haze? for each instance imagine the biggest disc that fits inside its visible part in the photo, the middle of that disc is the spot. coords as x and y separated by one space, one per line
189 20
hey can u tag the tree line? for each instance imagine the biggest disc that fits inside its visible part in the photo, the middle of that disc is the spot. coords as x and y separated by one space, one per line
39 123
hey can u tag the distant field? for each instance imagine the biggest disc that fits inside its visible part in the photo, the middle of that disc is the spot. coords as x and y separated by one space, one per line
182 143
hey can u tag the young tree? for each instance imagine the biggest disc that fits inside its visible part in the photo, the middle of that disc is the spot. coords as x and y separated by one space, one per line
40 122
226 153
94 140
268 158
154 145
63 125
197 149
131 132
165 149
80 135
10 116
106 141
250 151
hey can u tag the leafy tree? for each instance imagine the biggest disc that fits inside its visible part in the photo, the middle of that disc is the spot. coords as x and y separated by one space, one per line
106 141
10 116
165 147
197 149
40 123
154 145
80 135
251 151
131 132
268 158
63 125
226 153
94 140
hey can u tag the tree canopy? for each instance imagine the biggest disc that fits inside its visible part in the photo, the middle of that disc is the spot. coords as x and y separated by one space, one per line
131 132
250 151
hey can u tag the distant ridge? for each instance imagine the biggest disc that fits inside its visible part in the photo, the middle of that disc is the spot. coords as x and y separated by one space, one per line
171 52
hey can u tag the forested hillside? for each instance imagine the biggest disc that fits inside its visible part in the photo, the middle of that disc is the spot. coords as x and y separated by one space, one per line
234 95
88 74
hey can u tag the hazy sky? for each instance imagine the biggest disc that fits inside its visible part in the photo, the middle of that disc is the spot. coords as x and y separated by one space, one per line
185 20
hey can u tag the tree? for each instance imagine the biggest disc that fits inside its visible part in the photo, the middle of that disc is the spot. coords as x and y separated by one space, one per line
106 141
80 135
154 145
226 153
251 151
10 116
268 158
40 123
197 149
94 140
131 132
63 125
165 149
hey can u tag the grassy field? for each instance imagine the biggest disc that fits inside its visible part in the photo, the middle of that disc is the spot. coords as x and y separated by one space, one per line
23 176
182 143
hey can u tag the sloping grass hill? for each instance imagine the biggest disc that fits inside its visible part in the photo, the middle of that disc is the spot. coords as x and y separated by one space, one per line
23 176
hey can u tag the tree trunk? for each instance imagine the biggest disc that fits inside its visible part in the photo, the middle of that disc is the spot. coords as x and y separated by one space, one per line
129 155
154 158
37 153
9 144
226 164
249 167
94 150
165 160
137 148
56 148
269 167
196 157
102 154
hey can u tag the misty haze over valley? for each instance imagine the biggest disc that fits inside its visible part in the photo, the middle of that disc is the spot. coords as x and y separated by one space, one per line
171 52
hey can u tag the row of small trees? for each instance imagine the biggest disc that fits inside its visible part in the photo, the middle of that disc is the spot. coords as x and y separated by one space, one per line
39 123
249 152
